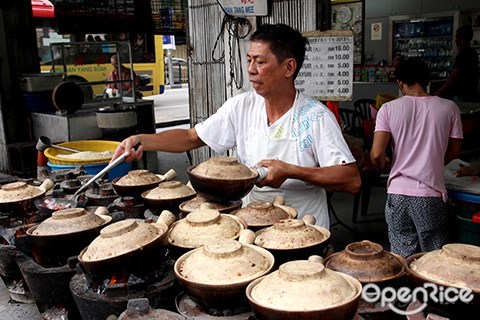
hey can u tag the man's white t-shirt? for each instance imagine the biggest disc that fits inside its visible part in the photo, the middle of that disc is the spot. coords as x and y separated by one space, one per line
307 135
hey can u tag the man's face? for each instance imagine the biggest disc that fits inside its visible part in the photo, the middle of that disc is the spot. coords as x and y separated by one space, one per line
264 70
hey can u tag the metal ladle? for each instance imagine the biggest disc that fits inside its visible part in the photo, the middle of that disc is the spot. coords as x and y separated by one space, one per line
44 142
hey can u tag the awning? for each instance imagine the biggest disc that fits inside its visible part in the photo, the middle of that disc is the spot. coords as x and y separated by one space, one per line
43 9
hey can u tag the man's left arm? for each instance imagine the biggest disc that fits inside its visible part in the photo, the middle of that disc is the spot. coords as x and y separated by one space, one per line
340 178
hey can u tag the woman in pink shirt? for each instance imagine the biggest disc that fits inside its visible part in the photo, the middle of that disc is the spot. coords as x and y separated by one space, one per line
424 133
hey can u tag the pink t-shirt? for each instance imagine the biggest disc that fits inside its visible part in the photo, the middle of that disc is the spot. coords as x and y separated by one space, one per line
420 128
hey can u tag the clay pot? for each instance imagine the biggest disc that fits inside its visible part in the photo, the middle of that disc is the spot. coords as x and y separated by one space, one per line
305 289
367 262
195 203
168 196
20 196
201 226
456 265
292 239
64 235
218 273
135 182
128 246
262 214
222 179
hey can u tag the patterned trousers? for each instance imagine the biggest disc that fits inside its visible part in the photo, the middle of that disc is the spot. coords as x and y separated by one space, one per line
416 224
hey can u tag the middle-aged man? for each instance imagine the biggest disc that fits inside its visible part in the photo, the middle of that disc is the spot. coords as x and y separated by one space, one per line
295 136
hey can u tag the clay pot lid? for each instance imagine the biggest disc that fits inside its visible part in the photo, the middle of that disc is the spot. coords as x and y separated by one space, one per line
68 221
263 213
456 265
126 236
19 191
195 204
203 225
304 285
168 191
290 234
367 261
138 177
223 262
224 168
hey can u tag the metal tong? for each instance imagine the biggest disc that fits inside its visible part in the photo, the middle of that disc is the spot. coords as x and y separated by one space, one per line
110 166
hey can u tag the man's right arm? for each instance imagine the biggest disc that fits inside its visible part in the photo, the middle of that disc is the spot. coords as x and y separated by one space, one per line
175 140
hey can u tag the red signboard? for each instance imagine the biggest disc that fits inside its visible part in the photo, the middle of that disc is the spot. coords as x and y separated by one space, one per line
43 9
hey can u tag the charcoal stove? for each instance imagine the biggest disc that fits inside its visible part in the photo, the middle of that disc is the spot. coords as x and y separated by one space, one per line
49 286
97 299
101 195
192 309
131 207
12 276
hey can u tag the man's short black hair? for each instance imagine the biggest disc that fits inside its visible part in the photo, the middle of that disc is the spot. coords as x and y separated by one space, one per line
413 70
285 42
466 33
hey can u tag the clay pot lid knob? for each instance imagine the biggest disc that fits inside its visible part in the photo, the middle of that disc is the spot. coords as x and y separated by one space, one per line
462 252
204 217
246 236
206 205
364 250
317 259
118 228
226 249
289 225
14 186
301 271
68 213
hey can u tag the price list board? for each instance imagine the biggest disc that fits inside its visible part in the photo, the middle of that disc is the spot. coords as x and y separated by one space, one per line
327 72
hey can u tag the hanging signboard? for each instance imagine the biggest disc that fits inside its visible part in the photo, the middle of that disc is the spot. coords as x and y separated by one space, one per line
93 16
244 8
327 72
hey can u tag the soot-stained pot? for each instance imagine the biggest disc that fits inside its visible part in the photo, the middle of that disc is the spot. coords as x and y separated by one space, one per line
168 196
64 235
127 246
19 196
305 289
218 273
201 226
262 214
135 182
368 262
293 239
195 203
221 179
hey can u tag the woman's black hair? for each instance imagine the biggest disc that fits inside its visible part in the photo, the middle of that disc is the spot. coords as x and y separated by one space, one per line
285 42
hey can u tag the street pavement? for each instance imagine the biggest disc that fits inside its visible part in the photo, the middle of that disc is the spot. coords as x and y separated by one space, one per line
172 105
